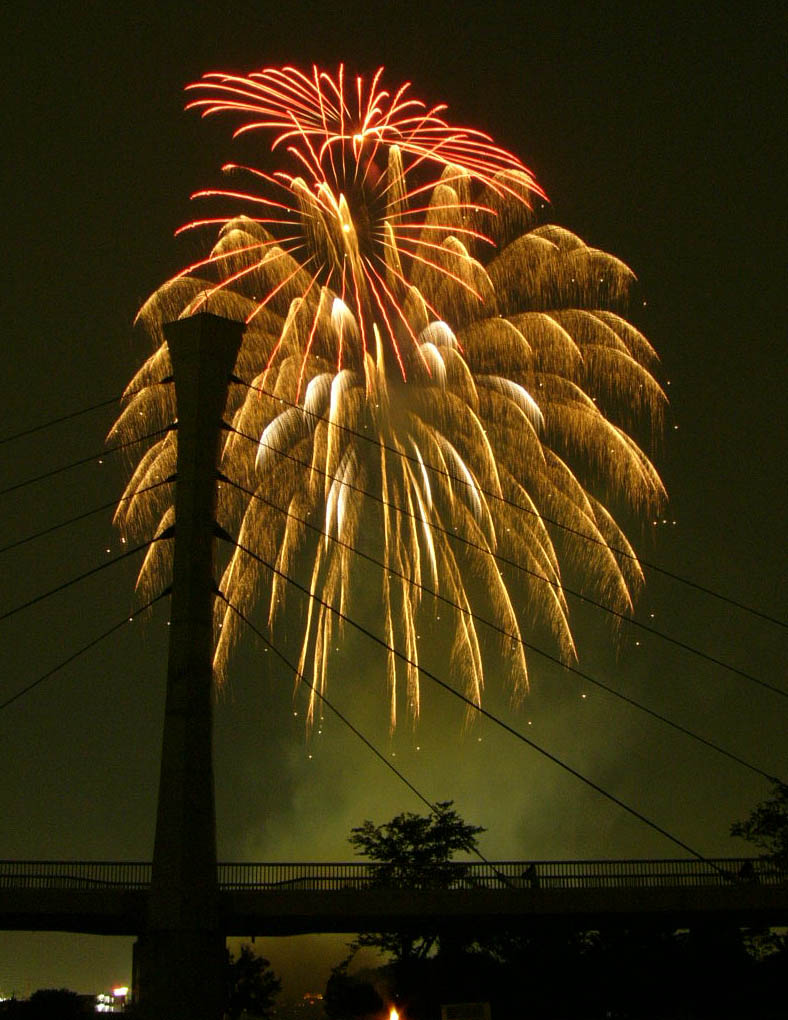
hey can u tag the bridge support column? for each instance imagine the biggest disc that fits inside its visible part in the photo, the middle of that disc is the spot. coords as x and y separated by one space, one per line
180 958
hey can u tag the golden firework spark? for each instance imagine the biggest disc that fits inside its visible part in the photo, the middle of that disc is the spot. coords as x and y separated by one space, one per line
433 375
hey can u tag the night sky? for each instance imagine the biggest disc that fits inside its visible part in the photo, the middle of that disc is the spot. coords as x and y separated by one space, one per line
659 135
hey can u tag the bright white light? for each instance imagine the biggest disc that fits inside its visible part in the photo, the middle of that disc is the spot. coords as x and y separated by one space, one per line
339 313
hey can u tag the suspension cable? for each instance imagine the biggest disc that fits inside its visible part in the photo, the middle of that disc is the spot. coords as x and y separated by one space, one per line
486 713
85 460
77 414
81 651
81 517
626 554
518 639
80 577
517 566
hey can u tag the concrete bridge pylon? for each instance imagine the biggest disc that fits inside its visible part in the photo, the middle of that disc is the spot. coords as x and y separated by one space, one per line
179 960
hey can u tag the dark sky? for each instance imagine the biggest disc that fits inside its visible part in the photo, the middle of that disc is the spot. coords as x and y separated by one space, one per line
658 133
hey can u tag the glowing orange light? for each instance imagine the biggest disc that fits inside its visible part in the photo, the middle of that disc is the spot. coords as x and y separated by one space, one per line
338 137
420 339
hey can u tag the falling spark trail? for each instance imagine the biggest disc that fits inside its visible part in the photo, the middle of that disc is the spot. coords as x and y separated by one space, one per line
403 288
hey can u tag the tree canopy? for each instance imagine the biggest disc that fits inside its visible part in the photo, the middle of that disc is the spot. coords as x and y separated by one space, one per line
47 1004
767 825
251 985
413 850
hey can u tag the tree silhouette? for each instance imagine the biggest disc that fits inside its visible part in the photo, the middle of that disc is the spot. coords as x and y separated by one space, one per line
47 1004
767 826
350 996
413 852
251 985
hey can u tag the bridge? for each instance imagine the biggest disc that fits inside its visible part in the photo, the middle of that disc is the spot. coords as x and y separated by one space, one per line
111 897
183 905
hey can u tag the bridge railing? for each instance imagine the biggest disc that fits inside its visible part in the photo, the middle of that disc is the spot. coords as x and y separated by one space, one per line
74 874
504 874
680 872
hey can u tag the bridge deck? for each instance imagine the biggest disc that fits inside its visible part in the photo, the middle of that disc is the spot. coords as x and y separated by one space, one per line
105 897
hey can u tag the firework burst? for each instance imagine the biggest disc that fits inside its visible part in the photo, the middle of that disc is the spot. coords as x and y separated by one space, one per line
430 374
